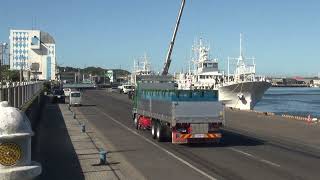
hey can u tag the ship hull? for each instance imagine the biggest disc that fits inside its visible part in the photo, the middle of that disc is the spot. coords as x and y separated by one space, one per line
244 95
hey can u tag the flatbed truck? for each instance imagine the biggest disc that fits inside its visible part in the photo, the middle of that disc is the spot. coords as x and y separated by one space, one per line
180 116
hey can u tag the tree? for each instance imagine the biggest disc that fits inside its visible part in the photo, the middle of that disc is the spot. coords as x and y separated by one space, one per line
94 71
9 75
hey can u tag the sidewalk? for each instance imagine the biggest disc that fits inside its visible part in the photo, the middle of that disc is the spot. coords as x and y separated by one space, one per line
87 147
65 152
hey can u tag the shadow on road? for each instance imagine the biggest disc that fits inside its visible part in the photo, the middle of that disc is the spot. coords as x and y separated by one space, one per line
88 105
52 147
106 164
120 151
231 139
235 139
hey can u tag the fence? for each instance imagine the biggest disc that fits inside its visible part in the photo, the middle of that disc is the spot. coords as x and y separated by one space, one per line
18 94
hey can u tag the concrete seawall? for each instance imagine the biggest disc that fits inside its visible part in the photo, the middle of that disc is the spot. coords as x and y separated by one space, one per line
33 109
308 119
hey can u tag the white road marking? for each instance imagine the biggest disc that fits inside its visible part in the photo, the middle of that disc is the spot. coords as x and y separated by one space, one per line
242 152
161 148
255 157
269 162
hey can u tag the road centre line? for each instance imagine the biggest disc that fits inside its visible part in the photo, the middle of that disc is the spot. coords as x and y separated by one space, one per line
159 147
269 162
255 157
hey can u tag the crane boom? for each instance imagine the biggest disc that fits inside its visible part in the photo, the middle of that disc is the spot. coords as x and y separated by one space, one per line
168 58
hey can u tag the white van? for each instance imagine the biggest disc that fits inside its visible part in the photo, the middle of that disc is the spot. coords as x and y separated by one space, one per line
127 88
67 91
75 98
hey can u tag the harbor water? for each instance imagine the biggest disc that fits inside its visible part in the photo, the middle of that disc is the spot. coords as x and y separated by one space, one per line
292 101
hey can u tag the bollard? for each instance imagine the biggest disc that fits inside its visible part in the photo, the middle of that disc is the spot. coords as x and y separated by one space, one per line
103 157
69 107
74 115
15 145
83 128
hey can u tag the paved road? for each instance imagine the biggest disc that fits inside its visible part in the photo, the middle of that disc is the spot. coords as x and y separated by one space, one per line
237 157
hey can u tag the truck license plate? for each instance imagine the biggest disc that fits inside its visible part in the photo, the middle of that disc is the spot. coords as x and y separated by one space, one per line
199 135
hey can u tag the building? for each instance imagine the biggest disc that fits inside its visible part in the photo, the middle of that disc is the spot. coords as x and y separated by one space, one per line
70 77
33 51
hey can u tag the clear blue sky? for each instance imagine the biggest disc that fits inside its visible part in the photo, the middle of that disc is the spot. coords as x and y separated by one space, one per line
284 35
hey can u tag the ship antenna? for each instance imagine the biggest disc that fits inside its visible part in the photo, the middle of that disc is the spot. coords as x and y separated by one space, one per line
134 65
241 44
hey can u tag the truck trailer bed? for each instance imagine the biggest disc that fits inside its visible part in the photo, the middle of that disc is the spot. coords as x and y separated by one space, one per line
179 106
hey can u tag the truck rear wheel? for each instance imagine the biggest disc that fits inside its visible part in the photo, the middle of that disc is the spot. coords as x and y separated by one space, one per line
159 132
154 129
136 123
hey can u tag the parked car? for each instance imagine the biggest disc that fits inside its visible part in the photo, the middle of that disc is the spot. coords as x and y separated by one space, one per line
120 88
66 91
58 96
75 98
114 89
127 88
131 94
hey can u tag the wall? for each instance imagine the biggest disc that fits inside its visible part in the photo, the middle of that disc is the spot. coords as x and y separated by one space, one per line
34 109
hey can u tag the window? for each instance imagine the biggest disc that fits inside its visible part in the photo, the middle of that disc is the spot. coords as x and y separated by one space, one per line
75 94
215 65
34 41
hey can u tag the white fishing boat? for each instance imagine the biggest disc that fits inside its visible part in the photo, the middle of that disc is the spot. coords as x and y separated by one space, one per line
205 73
244 89
241 89
141 67
315 83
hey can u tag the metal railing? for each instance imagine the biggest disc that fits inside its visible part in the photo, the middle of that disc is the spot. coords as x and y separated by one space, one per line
18 94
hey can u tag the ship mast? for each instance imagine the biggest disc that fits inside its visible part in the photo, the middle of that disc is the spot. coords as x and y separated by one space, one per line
168 58
241 45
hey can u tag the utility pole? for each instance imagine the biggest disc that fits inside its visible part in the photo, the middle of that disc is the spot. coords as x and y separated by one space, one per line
1 70
20 74
1 64
104 78
3 48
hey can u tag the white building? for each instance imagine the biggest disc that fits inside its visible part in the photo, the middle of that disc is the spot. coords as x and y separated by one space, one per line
33 51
